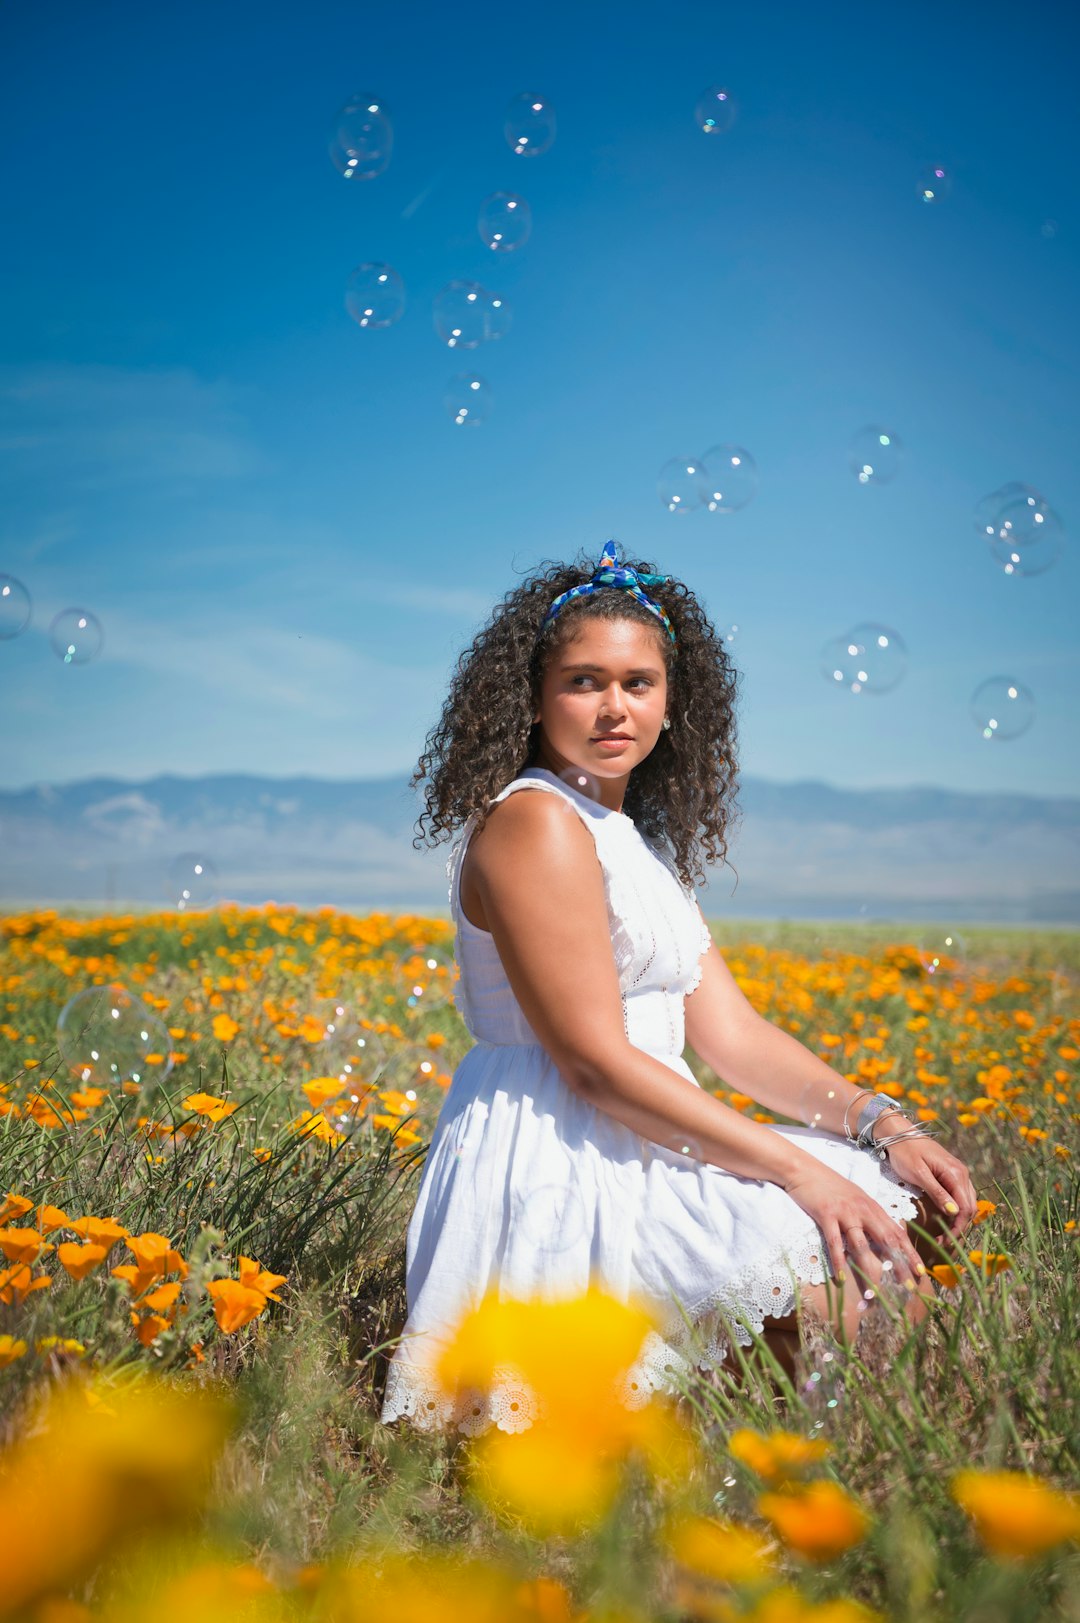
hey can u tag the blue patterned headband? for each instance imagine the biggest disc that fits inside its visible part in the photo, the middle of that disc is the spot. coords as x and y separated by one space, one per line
609 572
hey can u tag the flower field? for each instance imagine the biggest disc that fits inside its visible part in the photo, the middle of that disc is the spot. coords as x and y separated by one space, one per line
211 1128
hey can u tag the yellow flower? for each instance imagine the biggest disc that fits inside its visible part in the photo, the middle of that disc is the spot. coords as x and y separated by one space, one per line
234 1304
17 1282
779 1458
787 1605
10 1349
99 1230
206 1104
14 1206
255 1278
321 1089
1016 1516
819 1521
22 1245
80 1260
224 1028
59 1344
991 1262
946 1275
106 1461
563 1471
313 1124
51 1217
983 1210
720 1551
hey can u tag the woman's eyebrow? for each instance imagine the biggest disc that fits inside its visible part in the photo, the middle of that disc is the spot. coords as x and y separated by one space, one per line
637 670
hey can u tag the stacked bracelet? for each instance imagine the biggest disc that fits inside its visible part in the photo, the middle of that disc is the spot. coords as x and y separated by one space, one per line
880 1104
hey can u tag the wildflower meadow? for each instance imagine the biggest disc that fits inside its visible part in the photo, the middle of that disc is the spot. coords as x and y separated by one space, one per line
211 1131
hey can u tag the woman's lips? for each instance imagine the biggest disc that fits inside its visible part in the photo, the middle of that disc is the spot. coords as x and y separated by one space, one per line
611 743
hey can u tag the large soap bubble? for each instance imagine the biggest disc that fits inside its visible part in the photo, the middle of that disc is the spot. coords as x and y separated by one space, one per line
935 183
14 607
361 138
529 125
682 485
468 399
375 295
461 314
1028 536
497 314
715 110
76 636
1002 708
730 477
193 882
870 658
874 455
987 511
505 221
108 1035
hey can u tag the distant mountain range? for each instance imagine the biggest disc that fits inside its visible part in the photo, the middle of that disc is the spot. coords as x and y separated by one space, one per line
801 850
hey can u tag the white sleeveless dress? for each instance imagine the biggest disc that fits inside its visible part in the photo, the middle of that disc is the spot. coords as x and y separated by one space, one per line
529 1190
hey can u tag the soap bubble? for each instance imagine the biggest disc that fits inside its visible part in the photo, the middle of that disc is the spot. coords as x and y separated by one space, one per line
941 955
1002 708
468 399
884 656
844 663
729 634
193 882
361 138
106 1035
935 183
529 125
730 478
987 510
1028 537
682 484
504 222
497 314
552 1218
715 110
428 974
14 607
76 636
874 455
684 1144
461 318
582 782
817 1102
375 295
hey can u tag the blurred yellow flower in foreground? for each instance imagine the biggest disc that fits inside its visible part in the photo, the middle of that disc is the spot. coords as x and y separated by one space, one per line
1016 1515
561 1467
406 1587
101 1461
786 1605
819 1521
779 1458
10 1349
990 1262
720 1551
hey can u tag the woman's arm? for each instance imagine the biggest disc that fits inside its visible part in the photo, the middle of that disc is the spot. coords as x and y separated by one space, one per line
755 1057
541 887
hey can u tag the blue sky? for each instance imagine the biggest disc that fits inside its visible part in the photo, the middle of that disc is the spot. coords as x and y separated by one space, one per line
284 536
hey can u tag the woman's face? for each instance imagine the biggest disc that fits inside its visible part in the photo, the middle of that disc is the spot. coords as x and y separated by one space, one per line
608 683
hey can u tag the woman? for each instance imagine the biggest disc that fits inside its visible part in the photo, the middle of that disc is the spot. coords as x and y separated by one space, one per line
574 1145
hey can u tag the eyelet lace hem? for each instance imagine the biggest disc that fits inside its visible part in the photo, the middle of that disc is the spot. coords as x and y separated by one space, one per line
705 941
697 1336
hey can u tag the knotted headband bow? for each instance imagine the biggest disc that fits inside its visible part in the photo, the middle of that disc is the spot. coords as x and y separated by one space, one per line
609 572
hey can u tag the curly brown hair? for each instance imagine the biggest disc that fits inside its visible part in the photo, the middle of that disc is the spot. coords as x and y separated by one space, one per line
681 797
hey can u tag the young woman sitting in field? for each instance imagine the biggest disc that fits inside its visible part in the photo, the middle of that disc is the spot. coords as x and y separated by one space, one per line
574 1145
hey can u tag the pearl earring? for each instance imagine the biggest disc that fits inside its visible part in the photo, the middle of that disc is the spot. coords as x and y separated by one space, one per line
667 721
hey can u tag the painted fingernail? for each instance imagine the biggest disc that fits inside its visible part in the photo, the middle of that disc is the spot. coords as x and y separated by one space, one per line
920 1267
909 1284
951 1206
841 1276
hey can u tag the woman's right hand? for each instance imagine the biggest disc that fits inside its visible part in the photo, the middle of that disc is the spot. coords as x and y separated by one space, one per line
852 1223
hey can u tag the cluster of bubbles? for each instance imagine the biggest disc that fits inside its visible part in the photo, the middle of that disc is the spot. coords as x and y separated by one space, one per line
75 635
870 658
466 314
1024 533
715 110
107 1035
721 481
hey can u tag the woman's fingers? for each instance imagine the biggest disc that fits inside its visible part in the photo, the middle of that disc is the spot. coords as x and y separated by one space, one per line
834 1240
957 1180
